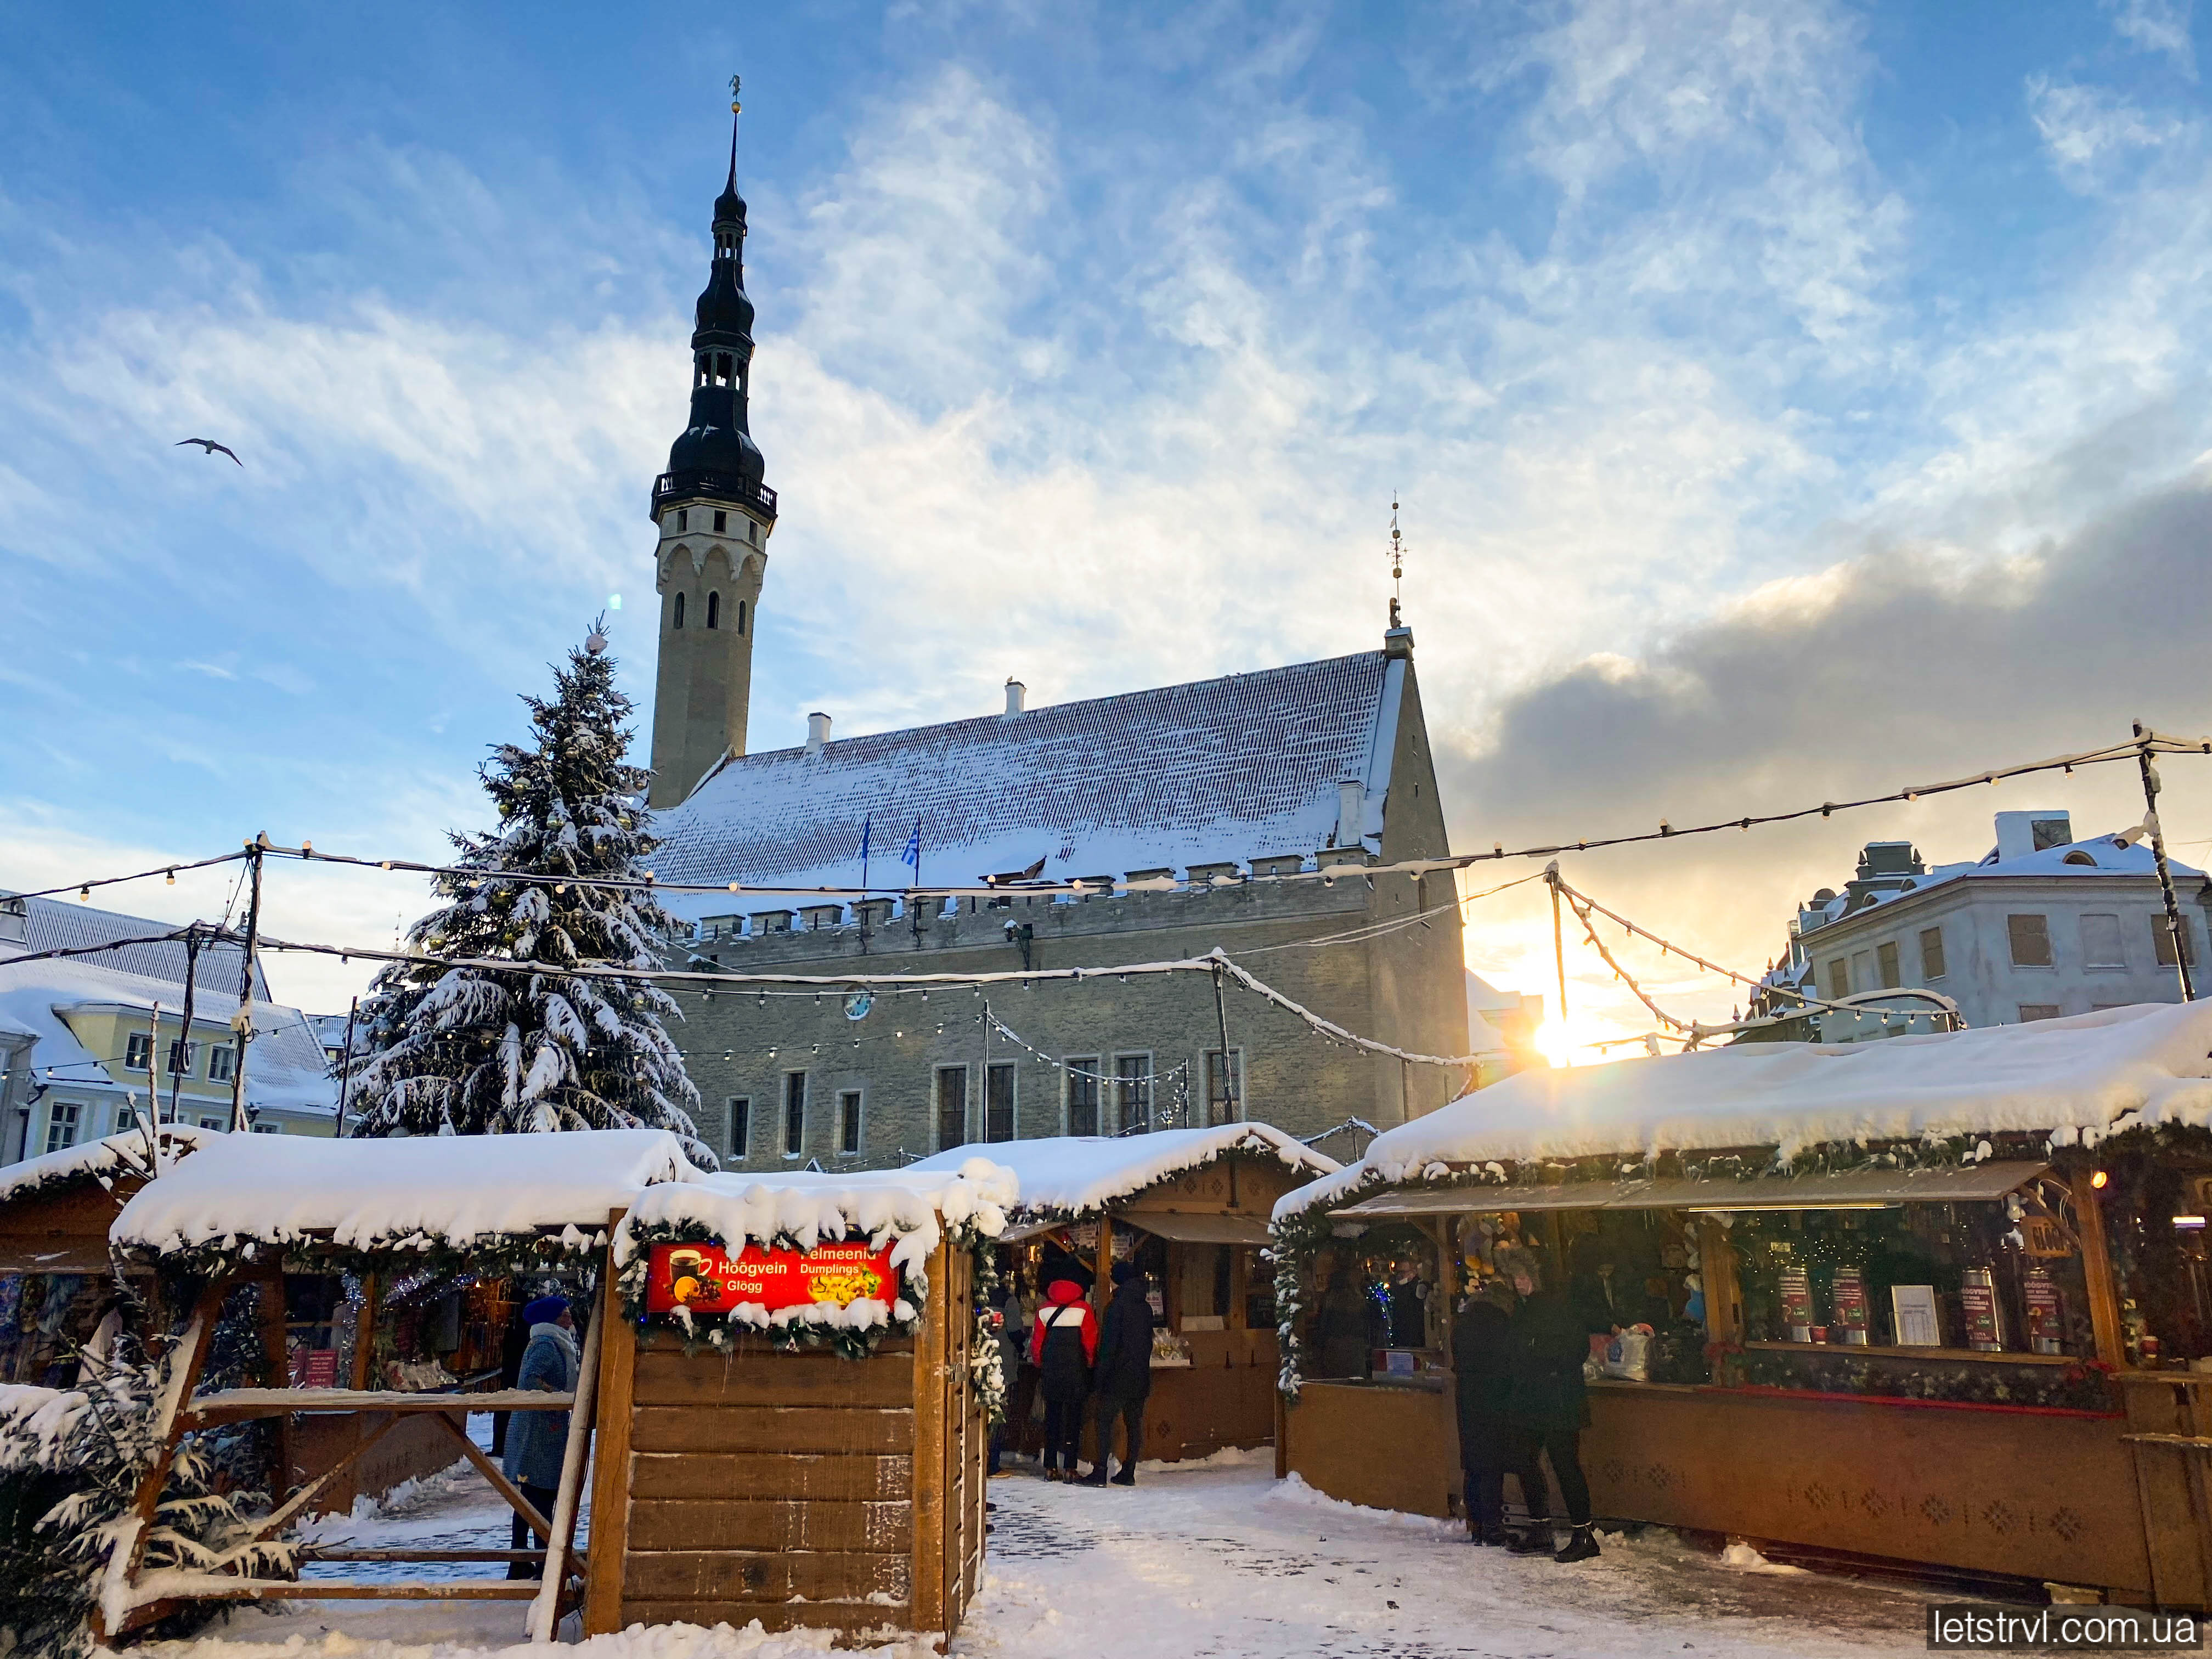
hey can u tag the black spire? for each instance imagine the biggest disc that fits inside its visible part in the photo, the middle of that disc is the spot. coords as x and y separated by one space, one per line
715 458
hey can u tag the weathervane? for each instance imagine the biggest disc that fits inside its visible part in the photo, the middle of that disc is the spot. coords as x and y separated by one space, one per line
734 94
1397 562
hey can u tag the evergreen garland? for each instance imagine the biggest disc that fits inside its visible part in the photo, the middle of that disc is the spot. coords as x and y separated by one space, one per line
69 1472
457 1050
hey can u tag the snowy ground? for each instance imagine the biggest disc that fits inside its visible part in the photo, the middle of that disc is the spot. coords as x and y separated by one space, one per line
1213 1560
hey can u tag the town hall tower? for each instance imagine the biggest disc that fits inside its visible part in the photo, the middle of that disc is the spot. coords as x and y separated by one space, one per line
714 516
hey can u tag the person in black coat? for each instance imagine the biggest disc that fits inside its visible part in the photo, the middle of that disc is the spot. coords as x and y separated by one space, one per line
1550 1341
1123 1378
1490 1446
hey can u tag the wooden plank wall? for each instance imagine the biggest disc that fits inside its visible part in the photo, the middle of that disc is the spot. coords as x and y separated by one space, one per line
757 1477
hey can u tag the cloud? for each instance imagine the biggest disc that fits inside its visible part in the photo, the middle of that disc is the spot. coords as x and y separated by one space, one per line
2160 25
1887 671
2088 129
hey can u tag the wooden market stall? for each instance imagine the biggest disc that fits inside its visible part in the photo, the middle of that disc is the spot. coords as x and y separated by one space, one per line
794 1423
1938 1300
1190 1208
775 1395
276 1208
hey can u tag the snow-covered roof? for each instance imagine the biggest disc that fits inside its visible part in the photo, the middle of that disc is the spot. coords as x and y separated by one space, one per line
1076 1175
57 925
1214 771
2099 857
425 1191
2058 1076
100 1160
284 1066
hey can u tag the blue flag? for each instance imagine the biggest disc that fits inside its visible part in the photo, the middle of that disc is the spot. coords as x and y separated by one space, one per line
912 854
866 824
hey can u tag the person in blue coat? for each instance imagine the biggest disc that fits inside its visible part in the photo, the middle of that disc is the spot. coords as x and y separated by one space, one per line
537 1441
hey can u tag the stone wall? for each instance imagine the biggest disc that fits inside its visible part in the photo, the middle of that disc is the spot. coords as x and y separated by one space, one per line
1403 987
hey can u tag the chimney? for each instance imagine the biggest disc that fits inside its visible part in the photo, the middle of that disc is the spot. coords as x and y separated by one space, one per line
2019 834
1351 811
1017 696
818 731
15 920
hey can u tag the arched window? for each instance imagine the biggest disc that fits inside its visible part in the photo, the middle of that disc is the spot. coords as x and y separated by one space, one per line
679 610
714 610
741 615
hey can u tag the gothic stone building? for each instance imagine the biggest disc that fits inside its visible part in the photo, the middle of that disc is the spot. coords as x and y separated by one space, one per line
1195 794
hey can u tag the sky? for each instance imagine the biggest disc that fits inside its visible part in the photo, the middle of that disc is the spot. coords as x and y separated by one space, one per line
1785 401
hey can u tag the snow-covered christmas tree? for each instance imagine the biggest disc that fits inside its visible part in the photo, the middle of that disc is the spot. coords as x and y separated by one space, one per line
455 1049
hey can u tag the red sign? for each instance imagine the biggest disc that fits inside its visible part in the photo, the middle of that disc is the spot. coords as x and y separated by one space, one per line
708 1278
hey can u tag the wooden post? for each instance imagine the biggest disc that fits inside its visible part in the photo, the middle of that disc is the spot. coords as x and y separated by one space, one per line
188 1357
1723 1293
1446 1279
364 1331
545 1612
2097 1270
276 1352
929 1602
603 1579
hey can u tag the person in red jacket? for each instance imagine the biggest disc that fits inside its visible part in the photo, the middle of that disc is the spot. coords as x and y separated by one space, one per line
1062 1345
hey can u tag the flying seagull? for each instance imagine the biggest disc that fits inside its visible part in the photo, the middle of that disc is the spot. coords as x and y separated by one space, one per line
208 445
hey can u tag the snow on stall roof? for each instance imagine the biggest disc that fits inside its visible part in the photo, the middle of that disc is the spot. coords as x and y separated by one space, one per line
912 1206
1216 770
2060 1076
284 1066
425 1190
1076 1175
118 1154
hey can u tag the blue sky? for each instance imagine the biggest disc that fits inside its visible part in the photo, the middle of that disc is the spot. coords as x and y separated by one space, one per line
1093 343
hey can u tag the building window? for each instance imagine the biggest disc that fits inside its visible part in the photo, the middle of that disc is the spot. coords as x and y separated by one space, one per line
714 610
849 1121
62 1125
794 1113
683 519
213 1123
2100 942
741 1125
223 1063
741 615
1862 970
1082 1095
2164 941
1836 983
1225 1091
268 1128
1132 1093
1885 957
679 610
184 1056
2031 940
998 1100
721 519
138 1052
951 1107
2029 1011
1931 953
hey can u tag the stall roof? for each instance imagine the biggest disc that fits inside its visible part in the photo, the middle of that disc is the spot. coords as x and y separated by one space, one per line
1197 1229
121 1154
1964 1183
450 1190
2051 1076
1076 1175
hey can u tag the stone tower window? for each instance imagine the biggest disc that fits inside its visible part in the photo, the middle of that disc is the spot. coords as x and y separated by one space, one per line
679 610
741 615
714 610
683 519
721 521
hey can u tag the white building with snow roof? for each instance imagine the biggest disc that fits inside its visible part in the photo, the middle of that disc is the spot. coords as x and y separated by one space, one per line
75 1034
2042 927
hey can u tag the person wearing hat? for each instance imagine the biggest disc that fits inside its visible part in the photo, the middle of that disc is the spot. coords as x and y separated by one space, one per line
1123 1378
538 1441
1548 1342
